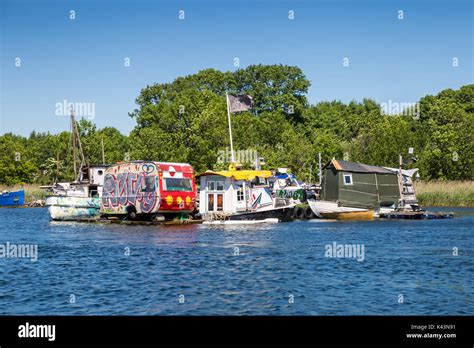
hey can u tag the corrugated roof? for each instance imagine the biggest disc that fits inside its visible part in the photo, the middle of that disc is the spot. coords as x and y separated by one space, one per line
357 167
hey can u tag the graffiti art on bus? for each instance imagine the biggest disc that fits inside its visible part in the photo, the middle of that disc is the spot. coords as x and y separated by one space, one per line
127 188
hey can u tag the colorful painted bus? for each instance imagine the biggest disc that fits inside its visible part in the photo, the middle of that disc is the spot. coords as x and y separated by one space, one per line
145 190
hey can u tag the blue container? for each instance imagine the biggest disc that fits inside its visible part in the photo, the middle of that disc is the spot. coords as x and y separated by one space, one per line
12 199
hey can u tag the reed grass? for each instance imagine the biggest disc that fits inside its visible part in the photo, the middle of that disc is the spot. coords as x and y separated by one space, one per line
445 193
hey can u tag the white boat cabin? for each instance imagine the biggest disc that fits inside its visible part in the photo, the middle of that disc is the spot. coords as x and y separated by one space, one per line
90 183
237 191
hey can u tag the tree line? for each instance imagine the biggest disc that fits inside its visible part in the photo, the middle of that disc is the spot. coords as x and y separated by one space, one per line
186 121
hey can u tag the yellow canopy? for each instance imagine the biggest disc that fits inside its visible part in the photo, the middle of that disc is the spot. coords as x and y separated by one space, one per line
241 174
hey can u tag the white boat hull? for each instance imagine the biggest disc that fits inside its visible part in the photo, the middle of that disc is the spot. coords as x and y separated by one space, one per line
325 208
242 222
67 208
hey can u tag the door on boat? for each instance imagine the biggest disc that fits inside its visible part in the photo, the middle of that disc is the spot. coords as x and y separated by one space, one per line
215 195
241 196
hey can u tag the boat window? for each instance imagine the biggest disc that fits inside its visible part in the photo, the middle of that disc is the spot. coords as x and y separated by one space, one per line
347 179
219 185
291 182
258 181
177 184
93 192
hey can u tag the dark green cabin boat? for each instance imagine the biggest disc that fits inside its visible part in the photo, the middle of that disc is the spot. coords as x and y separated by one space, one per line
359 185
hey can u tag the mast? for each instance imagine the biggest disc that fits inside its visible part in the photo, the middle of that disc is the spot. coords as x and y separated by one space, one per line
76 147
73 144
230 128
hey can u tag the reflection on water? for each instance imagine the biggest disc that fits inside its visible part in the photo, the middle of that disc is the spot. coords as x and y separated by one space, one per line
238 270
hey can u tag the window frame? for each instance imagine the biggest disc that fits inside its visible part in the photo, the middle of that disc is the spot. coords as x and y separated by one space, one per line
166 188
220 183
214 183
348 175
148 180
240 194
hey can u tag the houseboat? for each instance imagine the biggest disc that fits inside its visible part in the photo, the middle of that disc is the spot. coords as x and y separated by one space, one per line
80 199
355 191
145 190
241 196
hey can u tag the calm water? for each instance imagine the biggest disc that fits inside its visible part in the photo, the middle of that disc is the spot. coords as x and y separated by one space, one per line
279 270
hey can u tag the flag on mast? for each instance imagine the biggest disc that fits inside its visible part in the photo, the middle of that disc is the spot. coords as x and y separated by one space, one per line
239 103
236 103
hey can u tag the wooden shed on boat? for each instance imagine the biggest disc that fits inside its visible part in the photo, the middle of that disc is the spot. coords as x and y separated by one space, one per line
359 185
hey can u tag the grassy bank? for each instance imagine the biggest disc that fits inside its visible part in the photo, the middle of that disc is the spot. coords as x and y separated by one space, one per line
32 192
445 193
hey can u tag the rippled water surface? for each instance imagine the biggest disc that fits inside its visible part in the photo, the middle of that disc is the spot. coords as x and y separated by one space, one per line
278 269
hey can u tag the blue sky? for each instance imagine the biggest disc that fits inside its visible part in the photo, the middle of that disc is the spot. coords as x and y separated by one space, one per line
82 60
